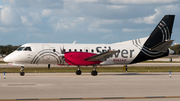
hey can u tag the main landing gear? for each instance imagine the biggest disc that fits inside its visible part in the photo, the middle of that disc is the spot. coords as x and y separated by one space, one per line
78 72
21 71
93 73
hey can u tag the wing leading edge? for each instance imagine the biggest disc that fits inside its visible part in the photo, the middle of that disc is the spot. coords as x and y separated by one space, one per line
101 57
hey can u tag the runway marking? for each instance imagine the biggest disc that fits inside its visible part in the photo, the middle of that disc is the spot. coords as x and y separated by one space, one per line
148 97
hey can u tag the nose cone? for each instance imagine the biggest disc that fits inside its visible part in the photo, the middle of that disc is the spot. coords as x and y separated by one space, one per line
7 59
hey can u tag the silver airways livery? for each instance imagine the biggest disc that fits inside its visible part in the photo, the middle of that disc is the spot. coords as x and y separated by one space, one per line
121 53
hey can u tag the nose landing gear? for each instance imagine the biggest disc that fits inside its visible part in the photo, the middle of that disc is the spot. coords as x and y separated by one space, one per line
21 71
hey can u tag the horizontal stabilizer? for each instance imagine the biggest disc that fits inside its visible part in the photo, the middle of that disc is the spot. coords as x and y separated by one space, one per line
102 56
163 46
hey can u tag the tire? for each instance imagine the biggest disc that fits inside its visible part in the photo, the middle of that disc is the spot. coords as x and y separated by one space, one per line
22 73
94 73
78 72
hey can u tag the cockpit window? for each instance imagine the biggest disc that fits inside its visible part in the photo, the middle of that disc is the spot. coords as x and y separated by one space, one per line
27 49
20 48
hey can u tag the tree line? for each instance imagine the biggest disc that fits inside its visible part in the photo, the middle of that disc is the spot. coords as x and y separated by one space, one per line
176 49
7 49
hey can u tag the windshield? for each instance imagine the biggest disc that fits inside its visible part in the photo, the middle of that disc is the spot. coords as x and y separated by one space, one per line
20 48
27 49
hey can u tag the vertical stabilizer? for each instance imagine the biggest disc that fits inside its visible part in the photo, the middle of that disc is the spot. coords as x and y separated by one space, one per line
158 42
162 32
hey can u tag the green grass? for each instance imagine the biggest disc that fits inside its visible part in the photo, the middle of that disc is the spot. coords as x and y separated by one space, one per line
160 62
89 69
2 62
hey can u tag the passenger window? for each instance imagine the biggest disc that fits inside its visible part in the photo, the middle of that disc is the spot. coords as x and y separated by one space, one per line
92 50
20 48
27 49
80 50
69 50
75 50
64 50
54 50
86 50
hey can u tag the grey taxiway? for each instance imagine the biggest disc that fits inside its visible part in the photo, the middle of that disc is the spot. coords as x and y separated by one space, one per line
105 86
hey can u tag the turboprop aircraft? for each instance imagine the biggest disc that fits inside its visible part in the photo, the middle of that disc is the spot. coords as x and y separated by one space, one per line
121 53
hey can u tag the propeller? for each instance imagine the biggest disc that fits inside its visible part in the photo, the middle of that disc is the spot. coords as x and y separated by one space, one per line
61 55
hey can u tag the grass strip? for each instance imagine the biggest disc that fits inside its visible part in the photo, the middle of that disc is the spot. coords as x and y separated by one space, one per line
2 62
89 69
160 62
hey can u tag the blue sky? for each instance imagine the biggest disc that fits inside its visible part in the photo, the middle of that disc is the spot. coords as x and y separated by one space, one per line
86 21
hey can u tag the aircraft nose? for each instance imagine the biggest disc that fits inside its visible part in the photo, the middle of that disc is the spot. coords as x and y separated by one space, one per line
7 59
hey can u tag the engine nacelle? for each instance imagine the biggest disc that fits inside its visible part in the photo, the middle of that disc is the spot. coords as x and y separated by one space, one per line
77 58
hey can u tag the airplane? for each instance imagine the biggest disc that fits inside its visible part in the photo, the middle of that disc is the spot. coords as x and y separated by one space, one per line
122 53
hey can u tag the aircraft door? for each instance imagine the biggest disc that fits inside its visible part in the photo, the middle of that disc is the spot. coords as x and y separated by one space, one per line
46 51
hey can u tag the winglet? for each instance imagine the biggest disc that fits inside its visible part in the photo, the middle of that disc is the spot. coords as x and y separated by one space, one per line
74 42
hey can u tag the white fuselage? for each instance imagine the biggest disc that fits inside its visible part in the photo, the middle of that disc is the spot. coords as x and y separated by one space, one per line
49 53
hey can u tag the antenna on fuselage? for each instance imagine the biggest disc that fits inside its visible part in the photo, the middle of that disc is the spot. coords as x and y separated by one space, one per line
74 42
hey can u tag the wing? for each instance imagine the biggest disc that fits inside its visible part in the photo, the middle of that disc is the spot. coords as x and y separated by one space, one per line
101 57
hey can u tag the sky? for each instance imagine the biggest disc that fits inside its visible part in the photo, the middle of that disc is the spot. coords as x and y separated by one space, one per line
83 21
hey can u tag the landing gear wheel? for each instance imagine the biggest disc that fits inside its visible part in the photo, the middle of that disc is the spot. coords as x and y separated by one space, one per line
94 73
78 72
22 73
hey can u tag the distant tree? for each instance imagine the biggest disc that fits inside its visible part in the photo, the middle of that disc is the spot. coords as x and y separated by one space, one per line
7 49
176 49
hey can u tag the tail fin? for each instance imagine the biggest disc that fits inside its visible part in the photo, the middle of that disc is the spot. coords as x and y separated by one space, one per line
159 41
162 32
